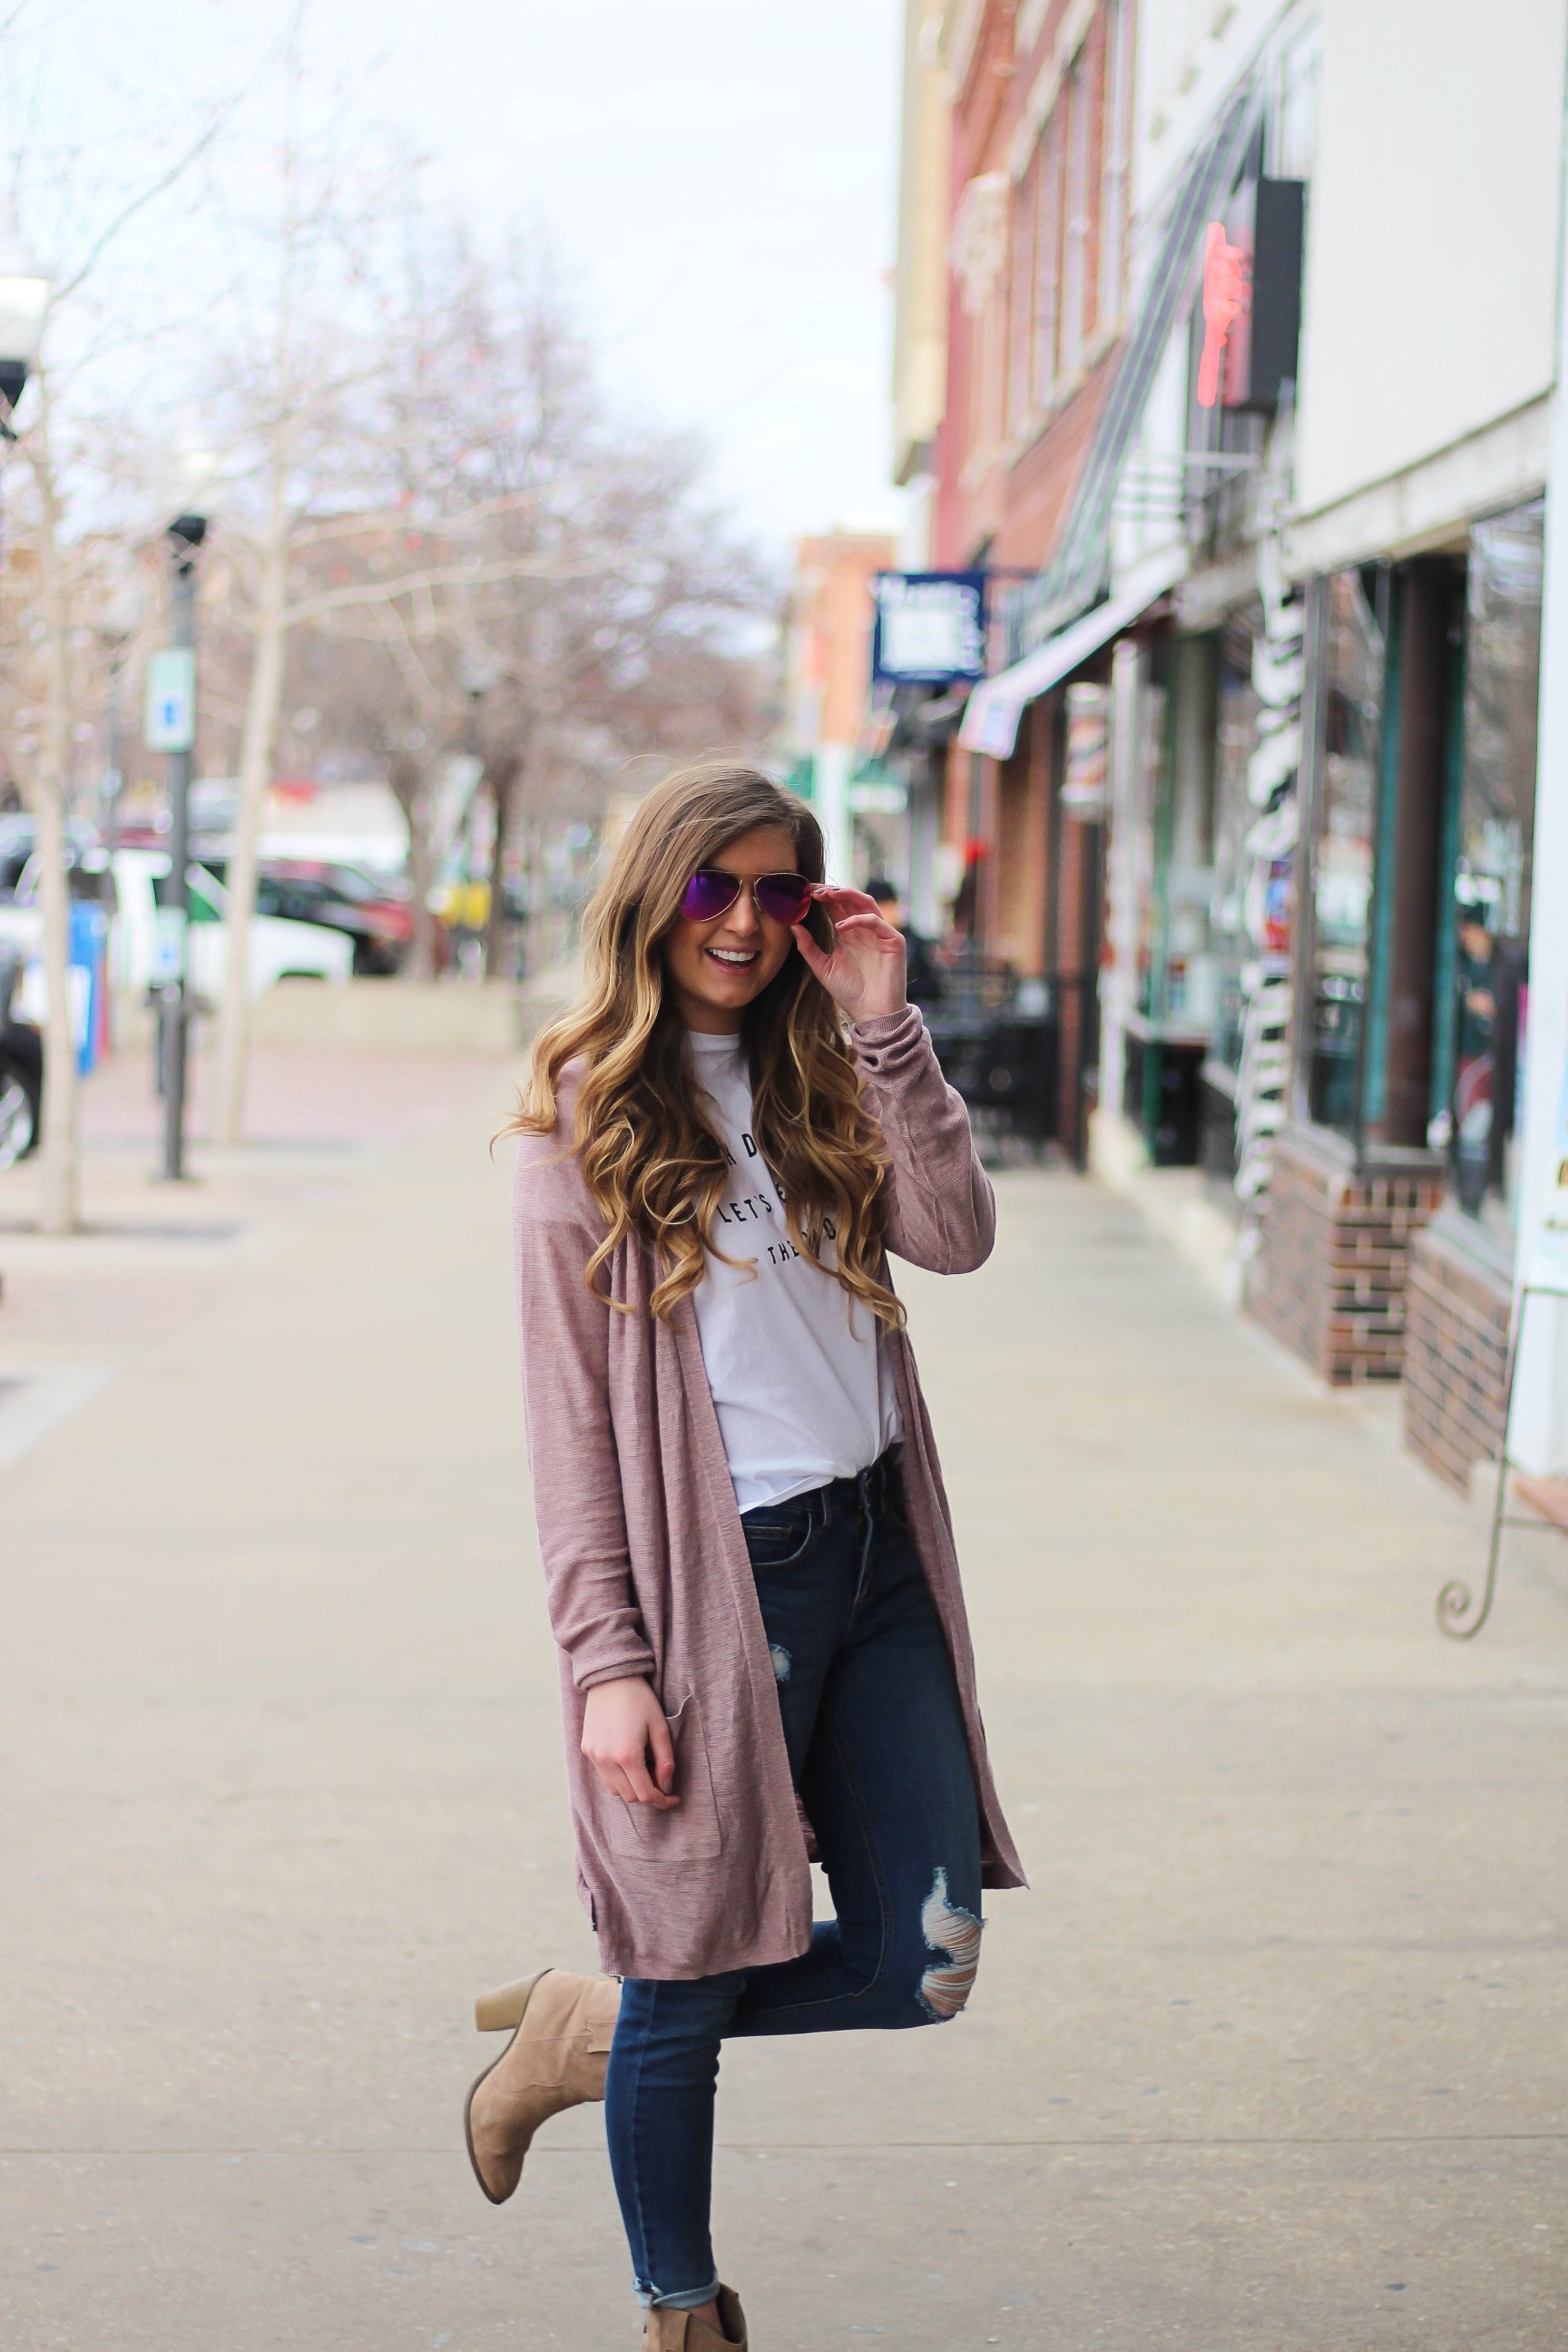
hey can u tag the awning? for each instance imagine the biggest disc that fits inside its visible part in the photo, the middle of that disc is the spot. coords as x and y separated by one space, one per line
990 722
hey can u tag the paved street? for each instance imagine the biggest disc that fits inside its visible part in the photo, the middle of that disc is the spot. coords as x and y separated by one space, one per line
1272 2059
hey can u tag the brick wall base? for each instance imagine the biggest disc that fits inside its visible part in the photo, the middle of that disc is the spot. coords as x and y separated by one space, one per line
1458 1306
1328 1279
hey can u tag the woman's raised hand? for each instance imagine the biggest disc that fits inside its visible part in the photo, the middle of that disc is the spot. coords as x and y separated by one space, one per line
624 1731
864 971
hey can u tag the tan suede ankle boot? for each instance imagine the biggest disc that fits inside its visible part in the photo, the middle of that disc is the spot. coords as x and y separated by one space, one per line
677 2331
556 2060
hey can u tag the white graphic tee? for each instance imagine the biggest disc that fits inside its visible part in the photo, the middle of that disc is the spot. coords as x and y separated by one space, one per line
800 1383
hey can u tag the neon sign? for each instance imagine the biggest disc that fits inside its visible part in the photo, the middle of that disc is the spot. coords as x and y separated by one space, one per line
1225 296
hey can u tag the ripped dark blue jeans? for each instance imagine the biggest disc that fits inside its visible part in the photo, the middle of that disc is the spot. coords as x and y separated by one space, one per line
876 1745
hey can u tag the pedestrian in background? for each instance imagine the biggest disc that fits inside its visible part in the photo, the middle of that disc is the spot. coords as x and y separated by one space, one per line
747 1549
922 974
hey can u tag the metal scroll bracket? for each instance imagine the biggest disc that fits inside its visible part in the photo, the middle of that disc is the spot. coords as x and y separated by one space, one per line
1457 1615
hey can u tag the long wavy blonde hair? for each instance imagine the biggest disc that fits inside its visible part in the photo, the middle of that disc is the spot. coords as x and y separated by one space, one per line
650 1157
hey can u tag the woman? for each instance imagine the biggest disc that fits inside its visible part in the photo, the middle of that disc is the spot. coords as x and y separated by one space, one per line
746 1546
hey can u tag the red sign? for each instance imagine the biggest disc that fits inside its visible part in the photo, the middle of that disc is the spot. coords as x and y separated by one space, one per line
1225 296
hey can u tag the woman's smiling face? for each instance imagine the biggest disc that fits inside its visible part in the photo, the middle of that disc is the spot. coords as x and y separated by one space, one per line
716 969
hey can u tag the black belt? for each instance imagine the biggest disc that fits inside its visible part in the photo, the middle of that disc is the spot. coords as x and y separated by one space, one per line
872 1488
869 1492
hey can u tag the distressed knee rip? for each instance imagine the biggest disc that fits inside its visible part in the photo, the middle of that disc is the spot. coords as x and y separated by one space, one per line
783 1664
953 1935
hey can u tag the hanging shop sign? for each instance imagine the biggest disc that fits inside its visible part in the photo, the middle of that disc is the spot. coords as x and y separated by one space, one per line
929 628
1224 300
1252 297
1088 751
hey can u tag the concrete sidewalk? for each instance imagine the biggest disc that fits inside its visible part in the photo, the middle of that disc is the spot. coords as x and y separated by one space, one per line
1272 2056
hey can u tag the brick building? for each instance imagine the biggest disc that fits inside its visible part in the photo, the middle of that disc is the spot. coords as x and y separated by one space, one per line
1040 99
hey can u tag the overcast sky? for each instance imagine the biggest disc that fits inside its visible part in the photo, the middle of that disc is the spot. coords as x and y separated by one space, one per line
719 174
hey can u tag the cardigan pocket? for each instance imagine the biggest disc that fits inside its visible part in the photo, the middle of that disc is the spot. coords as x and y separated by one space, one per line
691 1831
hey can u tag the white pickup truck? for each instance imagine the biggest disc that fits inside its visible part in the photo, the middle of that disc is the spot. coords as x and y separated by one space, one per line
278 948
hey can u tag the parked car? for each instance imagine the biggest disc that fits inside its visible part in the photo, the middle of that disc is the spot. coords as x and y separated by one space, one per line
278 949
19 839
136 884
21 1069
370 911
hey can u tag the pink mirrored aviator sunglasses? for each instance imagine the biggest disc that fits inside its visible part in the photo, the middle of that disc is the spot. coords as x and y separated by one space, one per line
711 892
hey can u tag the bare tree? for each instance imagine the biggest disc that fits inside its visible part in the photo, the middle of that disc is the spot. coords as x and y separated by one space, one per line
369 519
645 662
598 614
392 693
90 215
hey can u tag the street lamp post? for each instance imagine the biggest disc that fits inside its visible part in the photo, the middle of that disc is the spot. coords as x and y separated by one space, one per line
25 291
173 730
473 943
24 303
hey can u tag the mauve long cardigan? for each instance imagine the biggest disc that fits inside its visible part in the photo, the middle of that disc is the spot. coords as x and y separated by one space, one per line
645 1560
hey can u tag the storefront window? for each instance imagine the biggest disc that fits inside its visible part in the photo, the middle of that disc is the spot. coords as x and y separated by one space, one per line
1346 836
1177 985
1488 947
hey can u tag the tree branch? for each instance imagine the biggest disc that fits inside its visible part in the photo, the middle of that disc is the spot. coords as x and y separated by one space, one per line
149 195
446 575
